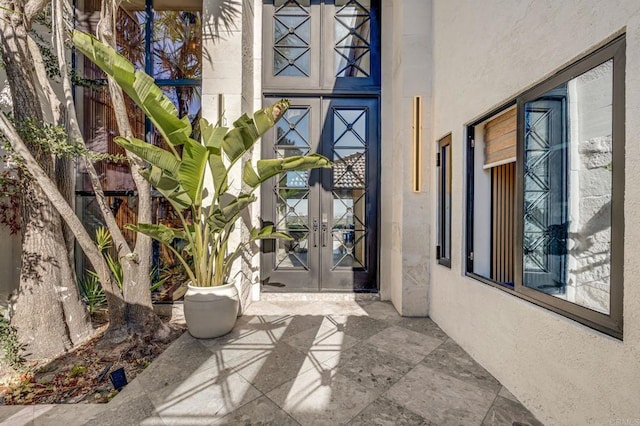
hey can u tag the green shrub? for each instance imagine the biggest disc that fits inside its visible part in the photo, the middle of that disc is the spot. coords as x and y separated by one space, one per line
10 348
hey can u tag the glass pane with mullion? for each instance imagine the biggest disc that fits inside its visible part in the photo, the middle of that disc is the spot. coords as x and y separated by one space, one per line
349 230
445 162
568 166
177 44
292 6
352 38
130 36
188 102
292 39
292 217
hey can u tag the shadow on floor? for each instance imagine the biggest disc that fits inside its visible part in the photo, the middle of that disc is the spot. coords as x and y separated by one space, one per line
356 363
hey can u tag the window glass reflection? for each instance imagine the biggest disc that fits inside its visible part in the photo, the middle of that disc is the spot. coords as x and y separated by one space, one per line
567 184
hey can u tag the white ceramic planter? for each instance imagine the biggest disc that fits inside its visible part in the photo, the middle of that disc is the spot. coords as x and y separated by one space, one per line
210 311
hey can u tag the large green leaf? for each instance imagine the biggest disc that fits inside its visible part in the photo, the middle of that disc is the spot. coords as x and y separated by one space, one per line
267 232
139 86
239 140
212 138
272 167
168 186
247 131
192 169
265 118
228 214
159 232
152 154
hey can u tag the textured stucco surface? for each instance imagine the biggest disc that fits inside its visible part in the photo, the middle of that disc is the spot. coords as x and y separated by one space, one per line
485 53
227 93
405 215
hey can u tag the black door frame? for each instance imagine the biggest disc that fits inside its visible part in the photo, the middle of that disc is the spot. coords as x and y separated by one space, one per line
320 274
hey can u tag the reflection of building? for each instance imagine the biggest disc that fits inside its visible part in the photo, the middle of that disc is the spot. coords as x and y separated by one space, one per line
521 249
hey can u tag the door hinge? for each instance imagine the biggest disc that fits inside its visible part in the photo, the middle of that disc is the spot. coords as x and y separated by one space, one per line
473 143
471 256
438 159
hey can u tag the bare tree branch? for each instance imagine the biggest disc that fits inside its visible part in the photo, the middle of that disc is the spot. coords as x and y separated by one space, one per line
76 135
31 9
66 212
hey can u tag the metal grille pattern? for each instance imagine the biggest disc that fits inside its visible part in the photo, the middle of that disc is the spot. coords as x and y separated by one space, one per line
536 191
352 38
292 190
292 39
349 231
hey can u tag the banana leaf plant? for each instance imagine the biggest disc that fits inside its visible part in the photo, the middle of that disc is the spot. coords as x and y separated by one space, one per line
208 213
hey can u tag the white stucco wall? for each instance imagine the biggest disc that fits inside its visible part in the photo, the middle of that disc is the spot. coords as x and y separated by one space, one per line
405 215
227 93
485 53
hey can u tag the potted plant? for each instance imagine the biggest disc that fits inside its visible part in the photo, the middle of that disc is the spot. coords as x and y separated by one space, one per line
208 213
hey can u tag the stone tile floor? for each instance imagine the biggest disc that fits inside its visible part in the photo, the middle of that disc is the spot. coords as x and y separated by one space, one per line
305 363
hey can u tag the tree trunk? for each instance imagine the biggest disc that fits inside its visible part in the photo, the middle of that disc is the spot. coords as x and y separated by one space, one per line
137 263
48 313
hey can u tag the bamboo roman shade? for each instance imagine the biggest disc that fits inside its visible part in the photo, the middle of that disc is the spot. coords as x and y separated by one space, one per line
500 139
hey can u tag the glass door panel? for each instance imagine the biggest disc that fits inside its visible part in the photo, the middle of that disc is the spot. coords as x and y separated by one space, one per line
330 213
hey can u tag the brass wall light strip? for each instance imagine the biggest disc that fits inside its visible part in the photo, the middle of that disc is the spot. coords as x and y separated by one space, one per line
417 143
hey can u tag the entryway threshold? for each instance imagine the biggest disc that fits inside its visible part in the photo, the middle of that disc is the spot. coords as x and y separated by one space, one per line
319 297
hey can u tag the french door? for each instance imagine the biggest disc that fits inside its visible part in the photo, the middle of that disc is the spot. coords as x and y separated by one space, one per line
330 213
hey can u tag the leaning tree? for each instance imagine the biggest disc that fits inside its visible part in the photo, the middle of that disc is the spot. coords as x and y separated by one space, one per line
47 311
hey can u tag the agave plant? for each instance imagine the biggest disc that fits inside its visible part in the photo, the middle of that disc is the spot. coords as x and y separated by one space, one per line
208 213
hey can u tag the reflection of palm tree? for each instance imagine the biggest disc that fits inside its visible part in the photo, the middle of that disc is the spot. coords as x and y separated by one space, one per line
177 51
130 36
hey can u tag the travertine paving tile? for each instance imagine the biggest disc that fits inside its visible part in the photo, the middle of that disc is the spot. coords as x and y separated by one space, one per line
383 412
291 324
311 362
136 410
270 368
261 411
382 311
360 327
423 325
440 398
7 411
504 392
168 371
505 412
451 359
405 344
69 414
372 368
203 397
248 340
322 398
323 343
26 415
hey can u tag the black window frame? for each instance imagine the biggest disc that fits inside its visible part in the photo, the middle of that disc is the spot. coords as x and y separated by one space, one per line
611 324
322 53
443 164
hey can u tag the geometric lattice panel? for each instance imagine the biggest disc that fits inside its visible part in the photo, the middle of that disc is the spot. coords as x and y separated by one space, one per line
291 190
292 39
536 191
352 29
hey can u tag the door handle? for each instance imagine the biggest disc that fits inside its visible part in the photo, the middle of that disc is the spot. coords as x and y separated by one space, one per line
324 235
315 232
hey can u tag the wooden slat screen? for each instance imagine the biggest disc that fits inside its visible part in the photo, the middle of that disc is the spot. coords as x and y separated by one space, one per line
500 139
503 219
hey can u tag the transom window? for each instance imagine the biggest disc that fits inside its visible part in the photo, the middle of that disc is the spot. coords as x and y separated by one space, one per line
297 34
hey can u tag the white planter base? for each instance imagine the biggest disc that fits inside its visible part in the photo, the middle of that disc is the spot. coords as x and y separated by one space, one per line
211 311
